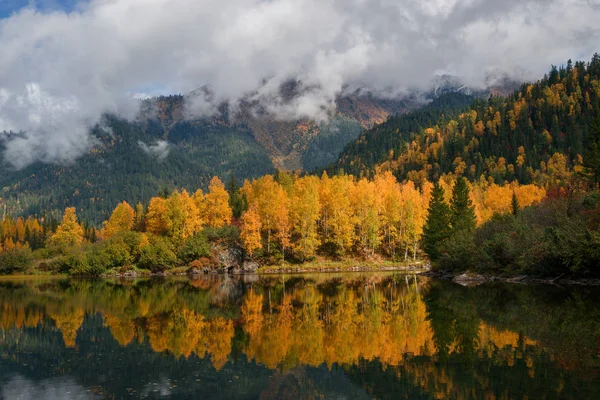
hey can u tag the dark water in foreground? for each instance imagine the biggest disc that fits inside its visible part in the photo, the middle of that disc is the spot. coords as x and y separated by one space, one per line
353 336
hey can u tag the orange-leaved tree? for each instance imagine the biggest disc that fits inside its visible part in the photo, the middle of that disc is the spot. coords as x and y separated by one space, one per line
305 211
157 221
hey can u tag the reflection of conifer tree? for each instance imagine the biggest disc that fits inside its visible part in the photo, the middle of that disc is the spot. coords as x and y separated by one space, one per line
442 322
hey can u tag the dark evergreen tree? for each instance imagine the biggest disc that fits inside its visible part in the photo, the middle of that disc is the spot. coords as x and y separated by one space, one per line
437 227
165 192
592 155
93 236
461 209
28 237
515 207
237 200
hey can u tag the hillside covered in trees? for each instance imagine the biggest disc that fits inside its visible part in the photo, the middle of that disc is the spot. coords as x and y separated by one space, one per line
409 206
165 148
541 130
132 161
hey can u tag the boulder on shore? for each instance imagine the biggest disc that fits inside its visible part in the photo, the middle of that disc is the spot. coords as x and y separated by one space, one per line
250 266
229 257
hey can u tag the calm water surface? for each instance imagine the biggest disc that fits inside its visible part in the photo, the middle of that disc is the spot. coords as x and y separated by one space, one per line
325 336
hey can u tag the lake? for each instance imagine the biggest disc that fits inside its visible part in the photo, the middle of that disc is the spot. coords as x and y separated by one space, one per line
321 336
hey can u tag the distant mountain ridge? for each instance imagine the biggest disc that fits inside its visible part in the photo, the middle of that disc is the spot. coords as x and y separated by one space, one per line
285 141
166 147
304 144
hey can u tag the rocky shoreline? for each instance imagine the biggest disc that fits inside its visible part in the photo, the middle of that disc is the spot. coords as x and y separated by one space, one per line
474 279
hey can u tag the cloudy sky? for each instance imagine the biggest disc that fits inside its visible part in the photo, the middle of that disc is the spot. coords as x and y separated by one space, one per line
63 63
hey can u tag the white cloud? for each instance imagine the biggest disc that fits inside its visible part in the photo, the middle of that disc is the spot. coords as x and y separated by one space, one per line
160 149
60 71
44 127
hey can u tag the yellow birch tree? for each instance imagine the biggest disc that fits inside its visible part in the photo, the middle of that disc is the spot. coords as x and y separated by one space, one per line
121 220
216 205
250 230
69 232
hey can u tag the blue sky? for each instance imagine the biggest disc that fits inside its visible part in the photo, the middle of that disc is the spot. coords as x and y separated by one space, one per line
7 7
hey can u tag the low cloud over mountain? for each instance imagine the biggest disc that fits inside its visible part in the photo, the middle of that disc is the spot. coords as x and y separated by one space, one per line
61 70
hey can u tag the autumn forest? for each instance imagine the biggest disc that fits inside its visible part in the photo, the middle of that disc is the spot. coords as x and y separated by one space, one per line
506 185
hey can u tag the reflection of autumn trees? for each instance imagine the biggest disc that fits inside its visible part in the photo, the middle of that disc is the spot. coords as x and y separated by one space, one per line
183 332
68 323
122 329
383 323
491 339
387 323
131 314
398 322
19 317
502 355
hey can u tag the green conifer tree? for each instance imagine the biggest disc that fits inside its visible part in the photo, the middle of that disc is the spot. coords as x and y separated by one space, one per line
591 159
515 204
437 226
461 209
237 200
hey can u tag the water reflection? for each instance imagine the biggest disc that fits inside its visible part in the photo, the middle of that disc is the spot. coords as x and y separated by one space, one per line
320 336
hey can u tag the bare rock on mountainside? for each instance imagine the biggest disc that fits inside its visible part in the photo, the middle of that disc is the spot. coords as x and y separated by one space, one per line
285 141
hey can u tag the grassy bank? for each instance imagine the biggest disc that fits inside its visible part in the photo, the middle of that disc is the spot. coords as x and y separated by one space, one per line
345 265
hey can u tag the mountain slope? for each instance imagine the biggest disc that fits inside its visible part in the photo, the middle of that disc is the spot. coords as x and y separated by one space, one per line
131 162
541 130
167 147
287 141
164 148
374 145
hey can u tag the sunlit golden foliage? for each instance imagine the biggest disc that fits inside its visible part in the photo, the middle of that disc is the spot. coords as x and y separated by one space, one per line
121 220
216 205
69 232
380 215
250 230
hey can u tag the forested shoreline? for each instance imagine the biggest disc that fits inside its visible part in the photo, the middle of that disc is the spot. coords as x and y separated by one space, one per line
283 220
288 222
555 238
441 199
